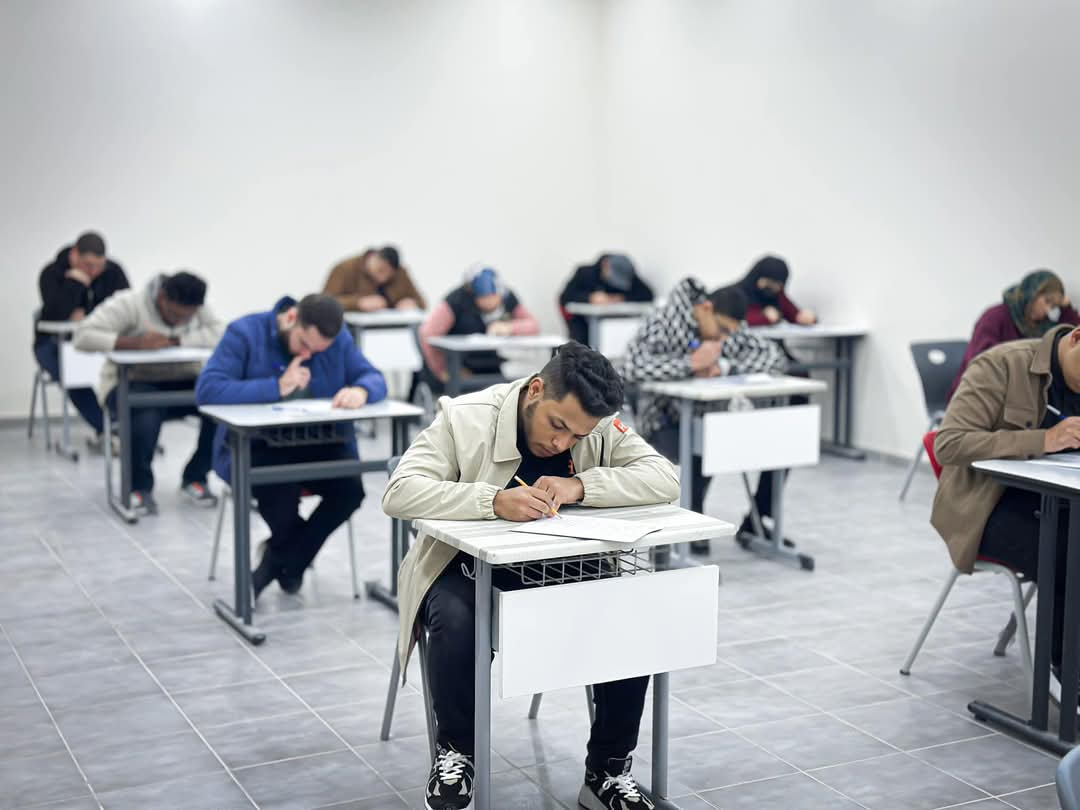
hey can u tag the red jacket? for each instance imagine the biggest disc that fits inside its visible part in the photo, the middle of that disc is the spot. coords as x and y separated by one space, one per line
755 314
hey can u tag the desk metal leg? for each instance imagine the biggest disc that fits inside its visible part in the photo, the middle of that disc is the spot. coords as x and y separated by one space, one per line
64 447
661 697
453 366
239 618
775 547
375 589
482 689
123 418
678 556
844 355
594 331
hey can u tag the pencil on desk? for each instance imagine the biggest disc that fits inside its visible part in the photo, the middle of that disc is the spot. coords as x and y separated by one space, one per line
554 511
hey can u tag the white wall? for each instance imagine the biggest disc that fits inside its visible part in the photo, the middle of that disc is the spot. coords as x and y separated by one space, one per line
258 142
909 159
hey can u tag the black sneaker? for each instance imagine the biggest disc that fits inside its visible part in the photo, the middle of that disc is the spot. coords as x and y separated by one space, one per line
613 788
450 785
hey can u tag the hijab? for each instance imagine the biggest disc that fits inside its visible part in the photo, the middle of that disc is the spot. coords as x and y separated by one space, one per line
770 267
1018 299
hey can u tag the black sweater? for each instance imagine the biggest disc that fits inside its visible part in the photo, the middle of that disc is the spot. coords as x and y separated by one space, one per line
61 296
587 280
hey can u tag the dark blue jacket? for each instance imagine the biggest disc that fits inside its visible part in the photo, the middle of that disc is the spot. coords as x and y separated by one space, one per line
250 358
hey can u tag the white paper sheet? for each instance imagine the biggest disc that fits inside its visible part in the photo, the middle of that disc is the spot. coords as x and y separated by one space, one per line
1071 459
583 527
304 407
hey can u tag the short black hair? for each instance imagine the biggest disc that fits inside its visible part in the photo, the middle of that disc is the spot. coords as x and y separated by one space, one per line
588 375
730 301
391 255
324 312
185 288
91 242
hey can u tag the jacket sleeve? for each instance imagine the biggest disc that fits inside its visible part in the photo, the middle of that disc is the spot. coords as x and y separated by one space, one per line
360 372
223 381
640 291
637 474
967 434
577 289
117 315
1069 315
425 483
438 323
755 316
523 322
788 308
408 290
60 295
208 331
752 354
337 285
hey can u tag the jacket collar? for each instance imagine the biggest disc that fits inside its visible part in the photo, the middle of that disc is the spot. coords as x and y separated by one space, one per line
283 303
505 446
1040 363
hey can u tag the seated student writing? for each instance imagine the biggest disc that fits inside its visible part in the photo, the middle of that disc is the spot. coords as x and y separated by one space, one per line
767 300
169 311
552 431
1019 400
610 279
695 334
76 281
374 280
1028 310
293 351
482 305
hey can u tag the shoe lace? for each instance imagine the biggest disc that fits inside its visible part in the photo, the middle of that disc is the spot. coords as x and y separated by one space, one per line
624 783
451 764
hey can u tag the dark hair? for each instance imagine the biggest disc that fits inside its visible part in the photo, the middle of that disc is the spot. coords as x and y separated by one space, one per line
588 375
730 301
324 312
90 242
390 254
184 288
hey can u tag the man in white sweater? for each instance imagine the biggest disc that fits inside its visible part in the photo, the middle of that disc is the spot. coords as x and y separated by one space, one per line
169 311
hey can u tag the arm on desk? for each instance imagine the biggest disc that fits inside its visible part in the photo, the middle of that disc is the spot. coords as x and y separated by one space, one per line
425 484
968 433
523 322
207 332
222 381
359 371
117 316
636 476
438 323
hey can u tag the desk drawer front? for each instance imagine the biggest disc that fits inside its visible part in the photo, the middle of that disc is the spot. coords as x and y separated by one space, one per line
605 630
762 439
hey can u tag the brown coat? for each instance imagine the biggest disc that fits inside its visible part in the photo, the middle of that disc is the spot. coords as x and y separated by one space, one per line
995 413
348 283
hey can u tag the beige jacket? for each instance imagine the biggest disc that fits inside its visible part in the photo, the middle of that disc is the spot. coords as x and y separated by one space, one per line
995 413
454 469
134 312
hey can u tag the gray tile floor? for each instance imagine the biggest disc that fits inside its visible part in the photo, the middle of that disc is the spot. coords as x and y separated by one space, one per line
120 689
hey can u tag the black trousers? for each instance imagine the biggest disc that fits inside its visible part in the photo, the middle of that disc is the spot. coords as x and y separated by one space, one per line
294 541
85 401
146 429
1011 536
448 612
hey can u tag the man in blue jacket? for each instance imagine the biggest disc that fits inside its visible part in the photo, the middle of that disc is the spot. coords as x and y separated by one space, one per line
293 351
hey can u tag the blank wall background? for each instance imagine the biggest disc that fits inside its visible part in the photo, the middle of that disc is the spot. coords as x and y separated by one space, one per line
909 159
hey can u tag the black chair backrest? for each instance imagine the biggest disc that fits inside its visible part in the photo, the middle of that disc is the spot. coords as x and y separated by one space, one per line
938 362
1068 781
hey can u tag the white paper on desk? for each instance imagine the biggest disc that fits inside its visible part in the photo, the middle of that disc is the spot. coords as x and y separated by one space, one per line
1059 460
582 527
304 407
750 379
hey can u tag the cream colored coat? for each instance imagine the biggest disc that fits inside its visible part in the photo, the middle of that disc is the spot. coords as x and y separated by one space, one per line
454 469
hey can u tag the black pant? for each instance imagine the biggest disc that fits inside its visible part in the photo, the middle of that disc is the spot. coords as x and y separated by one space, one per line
666 442
85 401
578 327
448 613
146 429
294 542
1011 537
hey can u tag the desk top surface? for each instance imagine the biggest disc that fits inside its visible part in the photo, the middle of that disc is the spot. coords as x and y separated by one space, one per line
57 327
1048 475
481 343
620 309
718 389
304 412
386 318
172 354
784 331
492 542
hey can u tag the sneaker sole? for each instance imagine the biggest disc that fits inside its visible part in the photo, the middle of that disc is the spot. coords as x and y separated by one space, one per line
587 799
466 807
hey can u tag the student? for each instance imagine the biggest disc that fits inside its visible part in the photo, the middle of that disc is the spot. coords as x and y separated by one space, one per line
76 281
767 301
169 311
1028 310
374 280
293 351
612 278
695 334
481 305
1004 408
548 430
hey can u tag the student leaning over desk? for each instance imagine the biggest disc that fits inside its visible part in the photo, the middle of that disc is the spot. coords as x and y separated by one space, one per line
553 431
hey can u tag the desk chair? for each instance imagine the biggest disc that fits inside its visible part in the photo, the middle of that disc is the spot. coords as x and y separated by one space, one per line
219 522
938 362
1017 624
1068 781
42 379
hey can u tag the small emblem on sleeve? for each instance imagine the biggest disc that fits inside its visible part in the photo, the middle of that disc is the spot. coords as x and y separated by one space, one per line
619 426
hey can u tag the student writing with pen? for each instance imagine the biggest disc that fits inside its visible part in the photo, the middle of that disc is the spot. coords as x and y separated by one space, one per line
554 429
295 350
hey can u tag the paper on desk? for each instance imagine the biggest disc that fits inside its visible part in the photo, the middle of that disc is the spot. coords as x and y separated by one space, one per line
750 379
582 527
304 407
1059 460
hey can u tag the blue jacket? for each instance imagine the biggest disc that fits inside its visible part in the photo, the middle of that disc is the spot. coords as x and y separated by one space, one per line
250 358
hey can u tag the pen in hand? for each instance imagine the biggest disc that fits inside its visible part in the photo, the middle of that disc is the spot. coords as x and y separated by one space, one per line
1056 412
554 511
